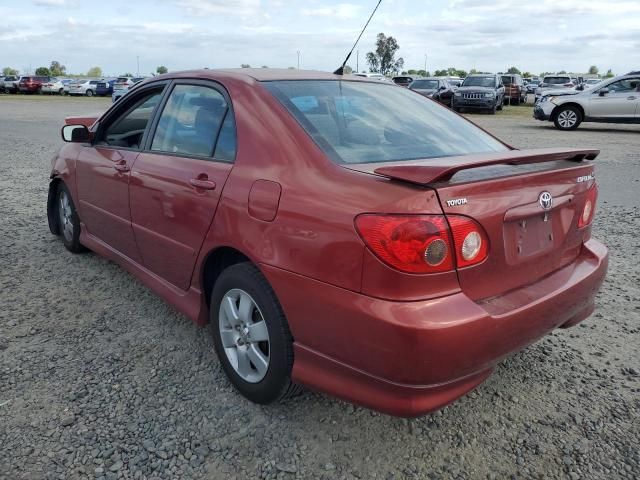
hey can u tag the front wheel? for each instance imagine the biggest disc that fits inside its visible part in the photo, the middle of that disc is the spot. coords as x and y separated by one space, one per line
568 118
89 93
251 335
68 220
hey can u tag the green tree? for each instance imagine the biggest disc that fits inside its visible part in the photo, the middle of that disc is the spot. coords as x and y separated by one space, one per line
348 69
609 74
94 72
513 71
527 74
411 71
423 73
44 71
383 60
562 72
441 73
161 70
593 70
245 65
57 69
127 75
7 71
264 66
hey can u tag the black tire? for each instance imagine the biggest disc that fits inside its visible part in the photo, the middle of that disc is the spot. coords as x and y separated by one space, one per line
70 235
276 383
492 110
89 93
61 91
568 117
499 106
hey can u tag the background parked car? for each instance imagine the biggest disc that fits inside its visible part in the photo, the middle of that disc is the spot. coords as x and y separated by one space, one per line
404 80
32 84
122 86
83 87
8 84
611 101
455 82
483 91
105 87
54 85
515 92
434 87
373 76
532 86
555 82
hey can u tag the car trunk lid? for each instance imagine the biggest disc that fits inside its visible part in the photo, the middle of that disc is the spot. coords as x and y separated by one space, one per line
508 194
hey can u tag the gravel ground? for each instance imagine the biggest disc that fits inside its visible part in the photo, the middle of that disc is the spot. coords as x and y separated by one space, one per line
99 378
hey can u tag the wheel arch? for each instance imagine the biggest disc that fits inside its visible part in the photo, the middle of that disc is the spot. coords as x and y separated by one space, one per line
572 104
52 218
216 261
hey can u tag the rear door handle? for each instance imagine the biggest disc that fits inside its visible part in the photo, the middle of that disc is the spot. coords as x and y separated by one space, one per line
121 166
203 184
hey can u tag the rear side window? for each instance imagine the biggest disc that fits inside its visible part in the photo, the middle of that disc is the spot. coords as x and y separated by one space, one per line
191 122
625 85
365 122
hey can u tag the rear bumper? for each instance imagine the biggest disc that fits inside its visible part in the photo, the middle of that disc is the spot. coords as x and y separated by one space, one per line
410 358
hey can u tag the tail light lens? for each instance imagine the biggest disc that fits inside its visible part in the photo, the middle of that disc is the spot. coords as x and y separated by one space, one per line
589 209
423 243
470 241
410 243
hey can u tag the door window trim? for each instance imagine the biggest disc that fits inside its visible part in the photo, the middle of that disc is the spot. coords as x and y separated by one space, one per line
122 109
218 87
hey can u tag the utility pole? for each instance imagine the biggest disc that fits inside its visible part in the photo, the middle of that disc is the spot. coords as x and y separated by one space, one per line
138 63
425 63
357 61
298 52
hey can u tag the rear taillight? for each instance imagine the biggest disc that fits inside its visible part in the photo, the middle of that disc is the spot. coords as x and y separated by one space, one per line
470 241
589 209
423 243
410 243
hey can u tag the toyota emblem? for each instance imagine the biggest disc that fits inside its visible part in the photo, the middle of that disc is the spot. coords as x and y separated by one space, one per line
545 200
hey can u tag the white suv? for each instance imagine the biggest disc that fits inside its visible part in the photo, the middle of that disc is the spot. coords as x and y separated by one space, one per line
616 100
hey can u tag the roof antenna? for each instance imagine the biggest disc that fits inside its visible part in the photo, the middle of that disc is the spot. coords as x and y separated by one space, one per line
340 71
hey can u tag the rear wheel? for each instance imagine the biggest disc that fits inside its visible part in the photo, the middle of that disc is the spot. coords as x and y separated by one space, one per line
568 118
61 91
251 335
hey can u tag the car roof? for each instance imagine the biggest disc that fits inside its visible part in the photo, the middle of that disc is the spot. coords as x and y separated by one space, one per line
260 74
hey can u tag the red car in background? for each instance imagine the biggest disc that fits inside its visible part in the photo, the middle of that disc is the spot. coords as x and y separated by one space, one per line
339 233
32 84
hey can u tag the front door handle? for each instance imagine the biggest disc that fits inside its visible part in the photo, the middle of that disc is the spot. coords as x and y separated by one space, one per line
121 166
203 183
631 98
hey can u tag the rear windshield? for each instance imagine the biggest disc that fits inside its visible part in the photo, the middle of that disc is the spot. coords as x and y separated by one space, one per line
557 80
479 82
364 122
425 84
402 79
507 79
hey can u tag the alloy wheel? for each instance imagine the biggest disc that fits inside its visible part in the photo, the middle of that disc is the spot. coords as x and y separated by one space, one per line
65 214
567 118
244 335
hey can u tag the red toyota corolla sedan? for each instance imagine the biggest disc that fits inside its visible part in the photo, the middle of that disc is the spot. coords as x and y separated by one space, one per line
348 235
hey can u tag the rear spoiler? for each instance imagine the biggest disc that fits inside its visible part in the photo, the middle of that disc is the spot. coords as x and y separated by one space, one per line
442 169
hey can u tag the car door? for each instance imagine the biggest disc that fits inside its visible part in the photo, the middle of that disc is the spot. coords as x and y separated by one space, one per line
619 102
177 181
102 171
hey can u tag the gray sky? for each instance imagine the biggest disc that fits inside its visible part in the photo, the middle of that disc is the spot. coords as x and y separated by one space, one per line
490 35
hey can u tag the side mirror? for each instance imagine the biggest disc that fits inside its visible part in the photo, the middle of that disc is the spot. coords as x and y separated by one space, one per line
580 87
603 92
442 87
75 133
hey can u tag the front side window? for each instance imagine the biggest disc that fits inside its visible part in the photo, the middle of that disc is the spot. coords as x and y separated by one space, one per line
191 122
363 122
127 129
625 85
479 82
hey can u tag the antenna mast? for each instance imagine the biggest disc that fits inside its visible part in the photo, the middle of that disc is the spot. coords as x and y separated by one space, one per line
340 71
